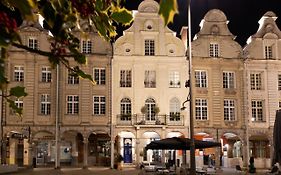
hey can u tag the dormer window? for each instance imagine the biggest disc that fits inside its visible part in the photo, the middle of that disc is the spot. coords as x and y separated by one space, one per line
33 43
214 50
268 52
86 46
149 47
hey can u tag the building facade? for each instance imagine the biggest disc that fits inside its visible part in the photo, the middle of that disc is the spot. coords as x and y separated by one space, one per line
148 88
139 92
54 94
262 87
217 89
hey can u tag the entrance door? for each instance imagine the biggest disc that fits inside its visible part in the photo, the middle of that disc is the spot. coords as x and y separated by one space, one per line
127 150
20 153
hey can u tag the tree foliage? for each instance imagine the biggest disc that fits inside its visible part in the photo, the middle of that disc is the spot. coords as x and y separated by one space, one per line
61 17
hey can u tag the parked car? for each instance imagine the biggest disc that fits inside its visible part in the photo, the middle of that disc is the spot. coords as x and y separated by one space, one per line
151 166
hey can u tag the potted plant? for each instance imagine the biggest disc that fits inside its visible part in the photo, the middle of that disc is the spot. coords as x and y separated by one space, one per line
144 109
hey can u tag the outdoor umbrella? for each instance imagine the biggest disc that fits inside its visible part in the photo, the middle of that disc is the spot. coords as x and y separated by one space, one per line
277 138
177 143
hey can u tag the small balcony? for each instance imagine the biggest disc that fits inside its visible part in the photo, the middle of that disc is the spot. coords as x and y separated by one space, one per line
141 119
150 84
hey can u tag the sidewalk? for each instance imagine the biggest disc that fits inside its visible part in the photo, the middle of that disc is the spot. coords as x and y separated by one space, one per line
107 171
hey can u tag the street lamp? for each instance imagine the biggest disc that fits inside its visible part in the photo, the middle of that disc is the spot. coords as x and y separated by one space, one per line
191 126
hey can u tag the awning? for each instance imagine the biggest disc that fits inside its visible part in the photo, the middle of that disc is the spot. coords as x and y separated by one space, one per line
177 143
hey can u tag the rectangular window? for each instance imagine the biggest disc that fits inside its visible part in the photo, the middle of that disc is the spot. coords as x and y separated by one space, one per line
99 105
33 43
200 79
279 82
45 104
72 104
125 78
99 76
46 74
201 109
174 77
228 80
87 46
268 52
149 47
255 81
72 79
214 50
18 73
279 105
257 111
229 110
19 103
150 79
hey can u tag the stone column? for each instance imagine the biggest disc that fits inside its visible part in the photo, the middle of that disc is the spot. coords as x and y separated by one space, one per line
218 152
245 153
85 161
137 151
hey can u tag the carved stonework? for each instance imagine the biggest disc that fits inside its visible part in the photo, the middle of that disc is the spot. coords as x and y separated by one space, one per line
230 91
202 90
231 123
202 123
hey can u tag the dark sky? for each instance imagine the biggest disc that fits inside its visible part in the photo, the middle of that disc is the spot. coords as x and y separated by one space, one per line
243 15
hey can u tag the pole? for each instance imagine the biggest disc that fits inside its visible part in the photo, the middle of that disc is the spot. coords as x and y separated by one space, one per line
57 161
191 126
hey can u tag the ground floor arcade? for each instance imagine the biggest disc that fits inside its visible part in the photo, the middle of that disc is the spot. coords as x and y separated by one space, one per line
83 146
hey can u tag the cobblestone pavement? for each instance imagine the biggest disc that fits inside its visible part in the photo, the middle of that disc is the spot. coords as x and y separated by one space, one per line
78 171
108 171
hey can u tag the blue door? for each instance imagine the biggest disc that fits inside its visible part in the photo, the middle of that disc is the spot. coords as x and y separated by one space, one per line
127 150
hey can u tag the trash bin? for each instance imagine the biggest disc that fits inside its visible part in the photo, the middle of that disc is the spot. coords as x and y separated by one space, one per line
34 162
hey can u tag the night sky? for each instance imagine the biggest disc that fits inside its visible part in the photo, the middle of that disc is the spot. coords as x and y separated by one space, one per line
243 15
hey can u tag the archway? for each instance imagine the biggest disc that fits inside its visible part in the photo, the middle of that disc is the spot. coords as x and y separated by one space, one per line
174 157
205 157
44 147
232 150
71 148
259 148
150 155
99 149
125 146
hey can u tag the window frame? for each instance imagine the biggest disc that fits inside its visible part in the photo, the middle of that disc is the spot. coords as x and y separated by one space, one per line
71 79
32 42
256 81
99 75
229 111
45 104
201 109
228 80
150 79
174 79
100 105
72 104
86 46
125 78
268 52
214 50
19 73
257 111
46 74
149 47
201 80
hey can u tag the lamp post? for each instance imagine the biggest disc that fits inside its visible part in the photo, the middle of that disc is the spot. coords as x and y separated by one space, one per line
191 126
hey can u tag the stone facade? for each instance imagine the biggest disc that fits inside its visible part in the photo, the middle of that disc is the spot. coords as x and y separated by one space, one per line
140 92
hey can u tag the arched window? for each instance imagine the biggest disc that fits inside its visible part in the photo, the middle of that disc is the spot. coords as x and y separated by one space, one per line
150 106
125 109
174 109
